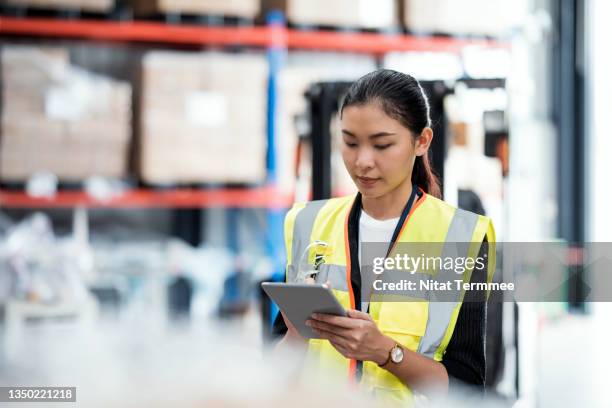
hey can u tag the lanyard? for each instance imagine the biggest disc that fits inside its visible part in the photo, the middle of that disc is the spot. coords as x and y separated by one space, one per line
394 238
400 222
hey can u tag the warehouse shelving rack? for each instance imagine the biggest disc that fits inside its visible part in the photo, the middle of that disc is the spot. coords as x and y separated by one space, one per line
260 197
258 36
275 37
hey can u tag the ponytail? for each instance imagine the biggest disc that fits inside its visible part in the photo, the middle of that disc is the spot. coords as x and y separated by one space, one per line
424 177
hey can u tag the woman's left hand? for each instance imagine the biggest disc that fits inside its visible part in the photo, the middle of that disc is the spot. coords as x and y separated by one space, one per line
355 337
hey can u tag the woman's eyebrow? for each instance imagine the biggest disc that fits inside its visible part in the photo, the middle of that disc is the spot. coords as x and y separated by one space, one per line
372 136
381 134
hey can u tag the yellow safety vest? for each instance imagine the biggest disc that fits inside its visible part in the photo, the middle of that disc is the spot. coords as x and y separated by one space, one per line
422 326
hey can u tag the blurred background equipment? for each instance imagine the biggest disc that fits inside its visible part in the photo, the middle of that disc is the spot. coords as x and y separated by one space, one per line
150 149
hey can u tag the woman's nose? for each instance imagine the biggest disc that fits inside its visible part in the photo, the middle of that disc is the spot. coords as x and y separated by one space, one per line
365 159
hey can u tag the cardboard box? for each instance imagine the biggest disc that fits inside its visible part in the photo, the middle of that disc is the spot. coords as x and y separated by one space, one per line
61 119
203 118
466 17
379 14
234 8
33 67
85 5
72 151
40 81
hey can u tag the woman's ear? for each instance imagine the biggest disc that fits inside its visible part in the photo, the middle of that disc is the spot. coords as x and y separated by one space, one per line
423 141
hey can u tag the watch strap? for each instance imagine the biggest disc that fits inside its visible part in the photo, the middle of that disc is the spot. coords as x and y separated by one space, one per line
388 356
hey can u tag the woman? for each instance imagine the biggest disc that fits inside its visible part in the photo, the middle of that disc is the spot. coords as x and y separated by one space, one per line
390 348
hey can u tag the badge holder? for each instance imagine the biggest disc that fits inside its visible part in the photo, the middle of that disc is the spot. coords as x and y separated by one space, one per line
306 270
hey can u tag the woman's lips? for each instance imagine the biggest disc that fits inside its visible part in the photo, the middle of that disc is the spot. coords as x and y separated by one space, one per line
367 181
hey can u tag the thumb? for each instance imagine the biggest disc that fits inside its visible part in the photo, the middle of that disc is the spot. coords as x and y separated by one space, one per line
328 284
358 314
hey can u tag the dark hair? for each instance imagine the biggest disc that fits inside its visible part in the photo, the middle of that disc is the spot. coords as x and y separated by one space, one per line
402 98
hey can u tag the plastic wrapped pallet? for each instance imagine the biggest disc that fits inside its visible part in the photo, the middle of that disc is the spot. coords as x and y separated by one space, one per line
203 118
379 14
235 8
85 5
467 17
61 119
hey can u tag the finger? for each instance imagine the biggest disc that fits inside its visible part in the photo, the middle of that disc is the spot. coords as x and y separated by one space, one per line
347 349
310 281
289 325
285 318
342 350
358 314
340 321
340 331
328 284
334 338
287 322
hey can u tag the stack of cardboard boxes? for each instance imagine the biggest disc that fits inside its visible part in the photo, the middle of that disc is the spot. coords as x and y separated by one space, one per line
235 8
61 119
378 14
466 17
85 5
203 118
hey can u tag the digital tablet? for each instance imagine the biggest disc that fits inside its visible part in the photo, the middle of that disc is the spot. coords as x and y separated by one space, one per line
300 300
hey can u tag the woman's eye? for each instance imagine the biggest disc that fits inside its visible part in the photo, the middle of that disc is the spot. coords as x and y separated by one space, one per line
351 144
382 147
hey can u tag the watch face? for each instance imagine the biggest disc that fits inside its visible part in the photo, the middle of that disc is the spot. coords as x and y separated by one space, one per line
397 354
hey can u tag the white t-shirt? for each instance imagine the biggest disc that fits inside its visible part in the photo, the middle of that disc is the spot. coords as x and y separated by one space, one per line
373 230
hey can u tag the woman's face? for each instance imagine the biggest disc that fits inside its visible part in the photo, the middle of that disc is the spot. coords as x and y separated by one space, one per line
378 151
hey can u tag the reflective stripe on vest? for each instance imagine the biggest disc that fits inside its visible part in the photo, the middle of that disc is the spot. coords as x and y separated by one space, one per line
302 230
460 230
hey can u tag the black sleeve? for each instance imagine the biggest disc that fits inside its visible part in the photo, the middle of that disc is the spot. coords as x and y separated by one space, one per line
464 358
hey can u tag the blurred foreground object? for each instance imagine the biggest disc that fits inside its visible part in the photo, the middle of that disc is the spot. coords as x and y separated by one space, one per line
138 365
